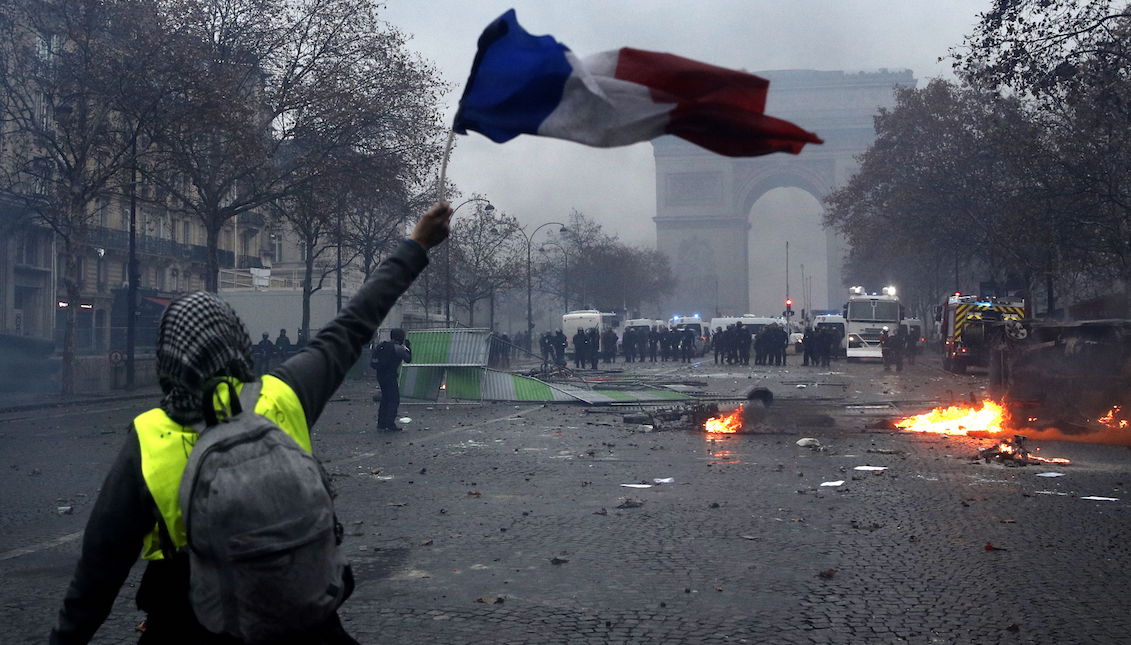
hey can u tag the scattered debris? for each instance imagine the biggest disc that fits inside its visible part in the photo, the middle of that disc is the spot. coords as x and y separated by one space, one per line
65 510
1050 474
639 419
833 484
1095 498
491 600
664 480
474 493
636 485
990 547
631 503
603 511
749 537
405 420
1015 453
827 574
426 543
884 451
874 469
809 442
558 560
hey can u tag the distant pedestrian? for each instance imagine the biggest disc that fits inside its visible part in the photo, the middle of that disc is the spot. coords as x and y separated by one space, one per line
594 337
558 343
653 342
386 361
283 345
580 349
546 347
264 351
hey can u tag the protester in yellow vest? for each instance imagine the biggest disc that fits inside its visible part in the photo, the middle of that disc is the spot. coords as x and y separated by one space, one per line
200 338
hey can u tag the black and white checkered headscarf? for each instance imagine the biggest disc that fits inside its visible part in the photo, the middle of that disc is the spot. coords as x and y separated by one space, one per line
200 337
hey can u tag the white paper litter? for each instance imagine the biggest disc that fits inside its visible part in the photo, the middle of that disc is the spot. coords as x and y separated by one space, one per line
808 442
1050 492
405 420
839 482
636 485
1101 499
664 480
871 468
1050 474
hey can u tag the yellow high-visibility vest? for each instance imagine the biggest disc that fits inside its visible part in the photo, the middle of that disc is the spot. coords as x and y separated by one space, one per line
166 445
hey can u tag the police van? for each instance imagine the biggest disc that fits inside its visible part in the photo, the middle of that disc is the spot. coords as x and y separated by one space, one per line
587 319
698 326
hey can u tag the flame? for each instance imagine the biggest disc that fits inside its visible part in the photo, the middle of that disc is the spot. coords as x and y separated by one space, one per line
1109 418
989 418
958 420
725 424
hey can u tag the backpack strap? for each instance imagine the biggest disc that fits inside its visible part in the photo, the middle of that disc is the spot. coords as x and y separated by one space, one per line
249 396
235 400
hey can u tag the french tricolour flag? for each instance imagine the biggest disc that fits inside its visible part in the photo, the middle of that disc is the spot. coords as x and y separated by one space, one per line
525 84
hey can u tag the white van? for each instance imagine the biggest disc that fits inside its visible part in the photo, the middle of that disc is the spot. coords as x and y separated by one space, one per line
586 319
699 326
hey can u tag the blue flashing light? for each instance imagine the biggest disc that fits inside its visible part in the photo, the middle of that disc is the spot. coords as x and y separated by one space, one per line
696 315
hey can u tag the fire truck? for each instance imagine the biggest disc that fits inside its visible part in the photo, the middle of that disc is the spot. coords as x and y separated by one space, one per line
965 322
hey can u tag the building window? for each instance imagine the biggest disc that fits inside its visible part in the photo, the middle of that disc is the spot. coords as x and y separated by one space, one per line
176 280
187 225
125 217
103 274
27 249
277 243
160 278
173 230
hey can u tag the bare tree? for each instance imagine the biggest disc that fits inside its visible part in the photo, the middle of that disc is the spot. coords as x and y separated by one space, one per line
271 89
67 68
488 255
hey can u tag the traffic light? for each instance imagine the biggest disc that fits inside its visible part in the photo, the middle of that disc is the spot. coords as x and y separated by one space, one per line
788 307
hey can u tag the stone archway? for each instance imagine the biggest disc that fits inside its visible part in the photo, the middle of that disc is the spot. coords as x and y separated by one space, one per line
703 200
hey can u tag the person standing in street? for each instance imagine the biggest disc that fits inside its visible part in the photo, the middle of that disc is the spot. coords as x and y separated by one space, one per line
264 350
386 361
200 339
594 339
558 343
283 346
580 349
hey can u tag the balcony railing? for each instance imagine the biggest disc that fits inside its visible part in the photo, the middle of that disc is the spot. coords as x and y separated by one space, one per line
120 241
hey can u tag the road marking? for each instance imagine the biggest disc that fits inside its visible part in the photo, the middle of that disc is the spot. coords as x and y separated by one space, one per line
437 435
42 546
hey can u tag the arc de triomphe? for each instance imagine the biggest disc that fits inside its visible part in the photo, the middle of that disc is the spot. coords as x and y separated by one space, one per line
704 200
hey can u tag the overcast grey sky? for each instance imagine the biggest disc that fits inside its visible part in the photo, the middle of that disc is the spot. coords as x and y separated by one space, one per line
539 180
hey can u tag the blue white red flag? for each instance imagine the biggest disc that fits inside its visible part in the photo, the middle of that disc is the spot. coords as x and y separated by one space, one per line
526 84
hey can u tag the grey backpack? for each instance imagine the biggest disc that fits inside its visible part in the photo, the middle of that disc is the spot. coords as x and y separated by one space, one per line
263 539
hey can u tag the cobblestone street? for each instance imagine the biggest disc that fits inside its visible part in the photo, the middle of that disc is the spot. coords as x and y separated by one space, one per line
503 523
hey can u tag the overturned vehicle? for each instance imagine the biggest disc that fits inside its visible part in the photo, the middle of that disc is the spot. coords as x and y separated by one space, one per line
1071 375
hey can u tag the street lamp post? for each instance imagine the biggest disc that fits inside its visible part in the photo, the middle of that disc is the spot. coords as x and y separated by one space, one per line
448 261
565 272
529 281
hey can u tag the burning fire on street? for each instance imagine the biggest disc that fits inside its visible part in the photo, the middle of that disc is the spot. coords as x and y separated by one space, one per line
725 423
987 419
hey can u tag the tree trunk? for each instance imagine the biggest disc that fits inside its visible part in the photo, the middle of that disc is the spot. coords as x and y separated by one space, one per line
212 275
1050 296
71 252
307 289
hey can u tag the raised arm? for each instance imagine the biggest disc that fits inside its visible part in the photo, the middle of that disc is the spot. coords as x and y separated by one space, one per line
316 372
